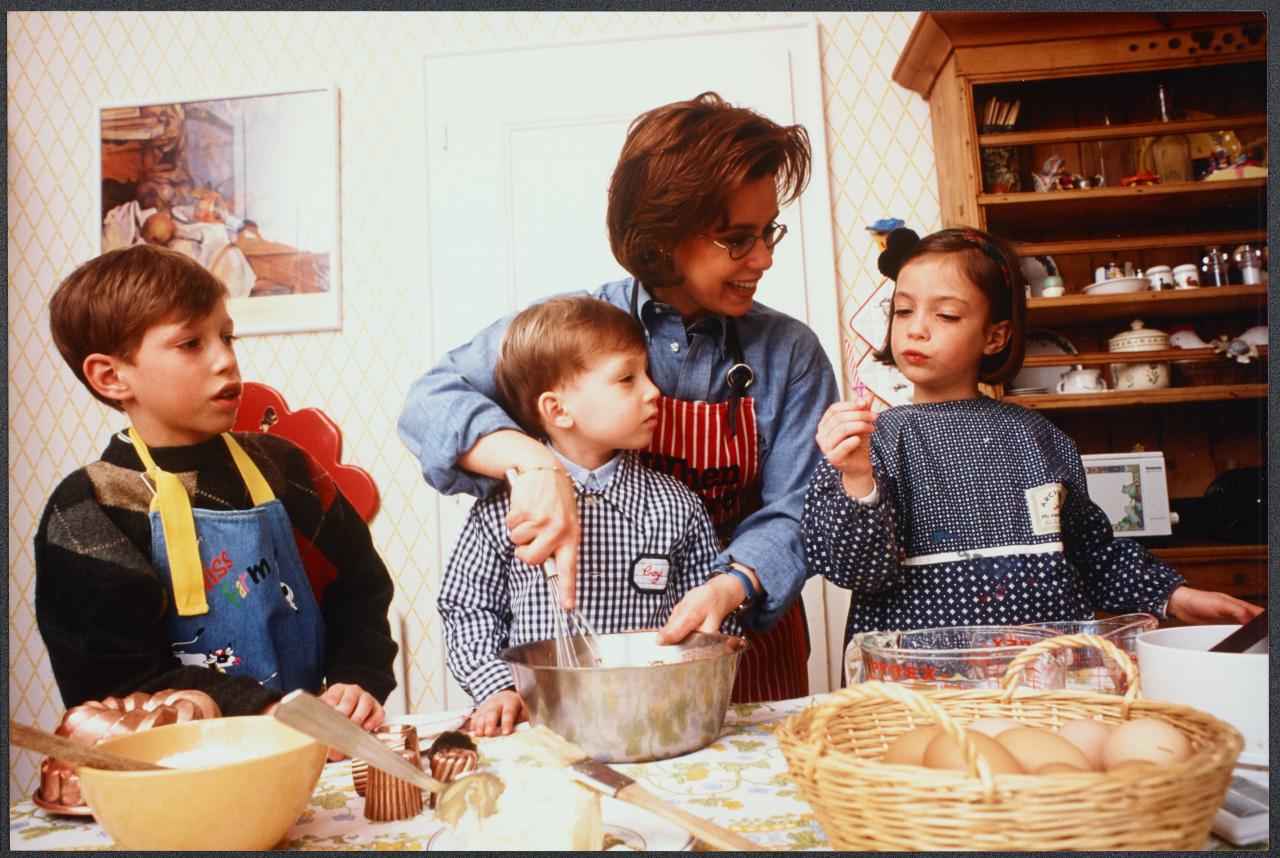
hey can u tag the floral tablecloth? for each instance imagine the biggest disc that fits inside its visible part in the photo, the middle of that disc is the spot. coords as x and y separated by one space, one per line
740 781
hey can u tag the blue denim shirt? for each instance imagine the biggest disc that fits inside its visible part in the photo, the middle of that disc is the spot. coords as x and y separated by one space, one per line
450 407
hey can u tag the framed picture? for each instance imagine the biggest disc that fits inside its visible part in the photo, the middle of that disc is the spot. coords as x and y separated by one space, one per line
247 185
1132 491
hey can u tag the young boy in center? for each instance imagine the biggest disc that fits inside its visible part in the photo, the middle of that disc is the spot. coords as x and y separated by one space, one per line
189 557
572 373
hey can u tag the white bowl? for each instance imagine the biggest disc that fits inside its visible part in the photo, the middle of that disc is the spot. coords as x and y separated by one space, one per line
1118 285
1175 665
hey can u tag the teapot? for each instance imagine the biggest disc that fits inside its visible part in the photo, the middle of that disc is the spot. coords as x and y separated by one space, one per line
1081 380
1139 376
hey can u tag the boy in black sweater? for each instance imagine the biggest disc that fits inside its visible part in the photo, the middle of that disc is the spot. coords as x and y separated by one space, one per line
187 557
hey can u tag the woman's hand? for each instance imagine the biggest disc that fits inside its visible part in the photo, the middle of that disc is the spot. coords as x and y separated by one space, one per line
1201 606
844 436
702 609
498 714
544 510
355 703
544 523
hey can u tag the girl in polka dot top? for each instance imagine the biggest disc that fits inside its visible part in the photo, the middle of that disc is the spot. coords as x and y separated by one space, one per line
962 510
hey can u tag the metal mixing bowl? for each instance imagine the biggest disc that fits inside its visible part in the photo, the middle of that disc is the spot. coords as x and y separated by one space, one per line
642 702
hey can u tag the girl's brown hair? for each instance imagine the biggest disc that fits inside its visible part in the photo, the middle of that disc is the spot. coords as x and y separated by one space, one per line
678 166
107 304
990 263
546 344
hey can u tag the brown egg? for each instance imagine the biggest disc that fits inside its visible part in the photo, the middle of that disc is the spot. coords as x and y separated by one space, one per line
909 747
944 753
1034 748
1089 736
1145 739
1058 768
993 726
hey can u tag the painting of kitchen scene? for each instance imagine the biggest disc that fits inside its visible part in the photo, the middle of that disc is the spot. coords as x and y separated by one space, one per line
245 186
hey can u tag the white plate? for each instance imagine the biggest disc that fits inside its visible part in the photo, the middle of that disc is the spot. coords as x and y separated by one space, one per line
1041 341
1024 391
1118 285
627 828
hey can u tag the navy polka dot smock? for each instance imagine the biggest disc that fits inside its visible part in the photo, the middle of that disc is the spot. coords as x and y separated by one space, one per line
983 518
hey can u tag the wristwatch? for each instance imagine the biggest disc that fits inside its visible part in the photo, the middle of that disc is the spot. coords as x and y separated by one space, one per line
743 578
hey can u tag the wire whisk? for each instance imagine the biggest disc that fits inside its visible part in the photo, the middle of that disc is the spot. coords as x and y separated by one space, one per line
571 627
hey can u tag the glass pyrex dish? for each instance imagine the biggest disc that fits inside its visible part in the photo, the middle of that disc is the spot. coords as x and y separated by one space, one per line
1088 669
952 657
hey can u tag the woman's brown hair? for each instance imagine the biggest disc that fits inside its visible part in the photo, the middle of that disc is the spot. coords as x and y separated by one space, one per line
547 344
678 167
107 304
990 263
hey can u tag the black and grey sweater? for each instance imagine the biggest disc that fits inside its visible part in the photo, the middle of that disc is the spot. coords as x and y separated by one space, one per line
100 604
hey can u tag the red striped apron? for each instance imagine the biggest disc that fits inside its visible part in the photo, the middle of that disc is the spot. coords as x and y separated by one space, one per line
693 443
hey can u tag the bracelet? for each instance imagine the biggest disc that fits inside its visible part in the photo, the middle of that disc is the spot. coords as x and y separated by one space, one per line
745 580
512 473
520 470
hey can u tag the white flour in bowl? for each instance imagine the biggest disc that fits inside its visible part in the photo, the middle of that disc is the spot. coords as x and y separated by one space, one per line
199 758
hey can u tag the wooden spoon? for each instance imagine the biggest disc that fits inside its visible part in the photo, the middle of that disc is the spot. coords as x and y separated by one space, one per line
75 753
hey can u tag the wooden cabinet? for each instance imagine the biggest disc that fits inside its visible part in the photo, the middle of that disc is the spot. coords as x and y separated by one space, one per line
1085 85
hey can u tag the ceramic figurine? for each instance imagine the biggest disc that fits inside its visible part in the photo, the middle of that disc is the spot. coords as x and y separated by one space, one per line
880 229
1235 349
1048 177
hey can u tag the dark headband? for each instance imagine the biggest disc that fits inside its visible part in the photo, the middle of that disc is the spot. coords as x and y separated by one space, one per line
902 239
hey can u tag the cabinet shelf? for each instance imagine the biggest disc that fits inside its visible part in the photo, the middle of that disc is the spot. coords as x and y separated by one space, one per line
1229 238
1239 569
1175 550
1125 398
1076 308
1112 132
1107 358
1087 88
1236 204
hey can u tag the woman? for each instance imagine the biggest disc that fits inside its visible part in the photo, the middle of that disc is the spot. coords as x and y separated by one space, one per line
692 215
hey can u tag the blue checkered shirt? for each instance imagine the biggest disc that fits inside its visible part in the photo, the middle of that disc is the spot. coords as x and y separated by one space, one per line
489 600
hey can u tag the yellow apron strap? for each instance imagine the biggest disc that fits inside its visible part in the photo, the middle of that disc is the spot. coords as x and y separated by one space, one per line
258 488
179 534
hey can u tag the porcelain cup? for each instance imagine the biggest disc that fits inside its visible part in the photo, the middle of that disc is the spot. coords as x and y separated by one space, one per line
1081 381
1186 277
1160 277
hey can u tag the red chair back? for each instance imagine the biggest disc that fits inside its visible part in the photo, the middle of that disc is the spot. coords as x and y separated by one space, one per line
263 409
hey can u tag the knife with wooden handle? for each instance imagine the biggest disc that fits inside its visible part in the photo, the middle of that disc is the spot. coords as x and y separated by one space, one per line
605 779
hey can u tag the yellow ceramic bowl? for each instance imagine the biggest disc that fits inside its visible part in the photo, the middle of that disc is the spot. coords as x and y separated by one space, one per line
241 804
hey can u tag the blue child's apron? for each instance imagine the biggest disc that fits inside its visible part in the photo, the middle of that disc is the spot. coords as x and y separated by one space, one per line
240 602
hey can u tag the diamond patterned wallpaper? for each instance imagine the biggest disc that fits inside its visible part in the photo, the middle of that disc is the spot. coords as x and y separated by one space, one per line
61 65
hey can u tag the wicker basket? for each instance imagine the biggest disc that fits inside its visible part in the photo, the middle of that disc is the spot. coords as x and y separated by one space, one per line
833 751
1193 373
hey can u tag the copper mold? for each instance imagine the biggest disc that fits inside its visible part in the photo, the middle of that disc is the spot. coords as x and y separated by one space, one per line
389 798
98 720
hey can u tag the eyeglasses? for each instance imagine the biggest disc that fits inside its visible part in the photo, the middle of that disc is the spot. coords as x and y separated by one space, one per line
739 247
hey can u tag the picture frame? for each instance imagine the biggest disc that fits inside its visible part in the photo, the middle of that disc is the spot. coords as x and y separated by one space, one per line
1132 490
245 184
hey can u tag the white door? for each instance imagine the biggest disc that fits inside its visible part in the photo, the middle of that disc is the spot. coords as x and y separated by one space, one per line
520 147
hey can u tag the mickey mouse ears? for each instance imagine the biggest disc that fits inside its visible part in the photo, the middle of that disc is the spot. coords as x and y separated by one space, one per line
899 241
